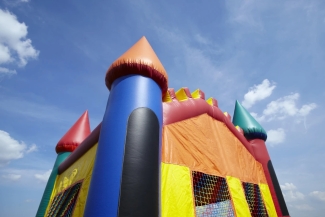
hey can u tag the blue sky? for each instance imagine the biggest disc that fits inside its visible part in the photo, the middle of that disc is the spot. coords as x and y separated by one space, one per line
269 55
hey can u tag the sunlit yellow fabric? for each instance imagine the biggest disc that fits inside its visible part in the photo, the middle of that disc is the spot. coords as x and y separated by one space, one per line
210 101
181 95
79 171
167 97
176 191
267 198
196 94
238 197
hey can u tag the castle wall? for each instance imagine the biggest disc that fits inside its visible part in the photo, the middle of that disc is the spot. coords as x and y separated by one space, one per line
79 172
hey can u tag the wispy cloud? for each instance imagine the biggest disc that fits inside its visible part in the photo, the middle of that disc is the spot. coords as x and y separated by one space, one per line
288 187
32 148
202 40
304 207
257 93
11 177
5 71
28 176
14 3
319 195
43 177
197 61
34 109
290 192
29 201
246 12
299 201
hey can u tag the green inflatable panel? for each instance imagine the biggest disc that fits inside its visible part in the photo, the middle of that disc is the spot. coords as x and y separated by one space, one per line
50 184
252 129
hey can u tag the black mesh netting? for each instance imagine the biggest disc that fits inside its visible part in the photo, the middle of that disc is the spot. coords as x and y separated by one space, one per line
212 196
63 203
254 200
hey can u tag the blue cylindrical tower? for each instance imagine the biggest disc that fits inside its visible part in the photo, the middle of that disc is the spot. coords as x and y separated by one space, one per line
126 174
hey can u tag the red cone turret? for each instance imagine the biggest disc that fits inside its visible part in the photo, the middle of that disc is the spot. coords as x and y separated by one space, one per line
77 133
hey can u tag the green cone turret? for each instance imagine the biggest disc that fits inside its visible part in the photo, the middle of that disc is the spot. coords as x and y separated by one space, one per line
252 129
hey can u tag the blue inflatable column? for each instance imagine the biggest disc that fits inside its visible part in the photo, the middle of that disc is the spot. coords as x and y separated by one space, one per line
126 174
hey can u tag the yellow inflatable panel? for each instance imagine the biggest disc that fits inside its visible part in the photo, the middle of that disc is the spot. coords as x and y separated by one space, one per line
176 191
79 171
167 97
267 198
181 95
196 94
238 197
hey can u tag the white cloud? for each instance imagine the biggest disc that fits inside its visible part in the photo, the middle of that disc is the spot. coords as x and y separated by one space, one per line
14 3
306 109
290 192
258 118
29 201
286 107
320 195
43 177
283 106
11 177
304 207
10 149
5 56
288 187
293 196
14 46
276 136
246 13
32 148
257 93
202 40
6 71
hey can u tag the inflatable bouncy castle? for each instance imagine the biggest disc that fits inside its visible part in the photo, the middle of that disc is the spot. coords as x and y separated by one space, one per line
161 153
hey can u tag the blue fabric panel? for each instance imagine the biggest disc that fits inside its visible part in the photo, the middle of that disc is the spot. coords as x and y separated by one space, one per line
127 93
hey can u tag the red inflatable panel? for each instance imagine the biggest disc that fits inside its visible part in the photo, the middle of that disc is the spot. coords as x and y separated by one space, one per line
87 144
262 156
75 135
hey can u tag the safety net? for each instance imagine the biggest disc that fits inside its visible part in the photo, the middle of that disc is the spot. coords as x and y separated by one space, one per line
211 195
64 202
254 200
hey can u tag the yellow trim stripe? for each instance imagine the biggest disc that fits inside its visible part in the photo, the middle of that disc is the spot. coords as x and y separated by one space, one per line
238 197
267 198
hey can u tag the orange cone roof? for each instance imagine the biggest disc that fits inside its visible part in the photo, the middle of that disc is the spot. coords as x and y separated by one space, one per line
75 135
139 59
